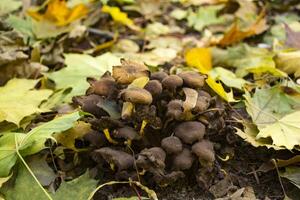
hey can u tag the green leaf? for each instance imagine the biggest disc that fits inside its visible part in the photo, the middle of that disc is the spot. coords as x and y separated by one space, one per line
227 77
204 16
292 173
19 99
79 188
268 105
8 6
78 68
24 26
284 132
24 187
246 60
32 142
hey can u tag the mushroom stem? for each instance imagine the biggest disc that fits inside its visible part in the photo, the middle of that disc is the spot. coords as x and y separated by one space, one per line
127 110
108 137
144 124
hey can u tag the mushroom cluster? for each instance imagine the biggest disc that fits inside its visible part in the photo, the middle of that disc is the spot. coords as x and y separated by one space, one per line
152 126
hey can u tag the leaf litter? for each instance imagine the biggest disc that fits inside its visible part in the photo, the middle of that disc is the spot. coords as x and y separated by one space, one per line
165 99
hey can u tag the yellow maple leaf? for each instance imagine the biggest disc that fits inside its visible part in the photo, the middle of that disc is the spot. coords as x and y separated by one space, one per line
119 16
200 58
58 12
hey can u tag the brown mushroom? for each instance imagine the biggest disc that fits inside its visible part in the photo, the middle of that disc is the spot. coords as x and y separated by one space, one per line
183 160
205 151
190 131
175 109
120 159
152 159
106 86
95 138
192 79
172 145
89 104
172 82
202 104
154 87
127 133
129 71
137 96
158 76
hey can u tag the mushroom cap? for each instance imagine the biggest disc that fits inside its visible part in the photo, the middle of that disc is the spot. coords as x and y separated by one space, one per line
151 159
154 87
203 93
125 132
95 138
202 104
129 71
175 109
103 87
172 145
158 76
171 82
184 160
137 96
89 104
204 150
190 131
121 159
192 79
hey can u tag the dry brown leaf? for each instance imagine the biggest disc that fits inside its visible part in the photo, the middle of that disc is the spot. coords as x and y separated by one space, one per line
235 34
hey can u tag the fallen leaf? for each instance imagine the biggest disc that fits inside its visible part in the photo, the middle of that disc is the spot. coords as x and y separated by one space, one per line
57 12
12 109
119 16
199 58
249 135
235 34
289 62
292 173
8 6
78 68
247 59
40 168
292 37
284 131
190 101
79 188
227 77
205 16
31 142
268 105
68 137
218 88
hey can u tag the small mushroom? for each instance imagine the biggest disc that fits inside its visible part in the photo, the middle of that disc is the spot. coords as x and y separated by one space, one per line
120 159
172 82
136 96
158 76
205 151
192 79
190 131
125 132
129 71
183 160
175 109
202 104
172 145
152 159
95 138
89 104
106 86
154 87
